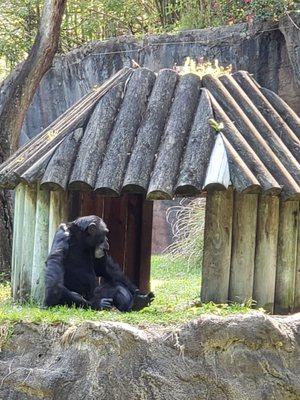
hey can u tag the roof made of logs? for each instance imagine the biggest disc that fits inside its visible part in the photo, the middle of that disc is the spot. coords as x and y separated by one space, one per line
142 132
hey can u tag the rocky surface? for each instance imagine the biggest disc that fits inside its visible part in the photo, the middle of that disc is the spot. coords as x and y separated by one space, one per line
238 357
260 48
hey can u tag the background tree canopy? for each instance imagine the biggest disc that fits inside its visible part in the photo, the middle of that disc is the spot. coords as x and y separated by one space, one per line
87 20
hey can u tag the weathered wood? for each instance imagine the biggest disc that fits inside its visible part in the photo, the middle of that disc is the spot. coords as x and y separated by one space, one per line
94 141
177 129
284 110
149 135
28 242
253 104
286 257
217 174
74 118
92 204
217 247
243 247
266 252
244 150
287 136
252 136
133 237
74 205
36 172
297 279
115 216
60 166
58 213
145 253
40 250
241 177
111 173
18 240
198 150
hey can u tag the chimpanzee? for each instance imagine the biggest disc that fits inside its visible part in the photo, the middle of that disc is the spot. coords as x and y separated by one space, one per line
79 255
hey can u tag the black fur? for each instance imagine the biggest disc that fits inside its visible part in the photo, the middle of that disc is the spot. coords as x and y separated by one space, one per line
72 270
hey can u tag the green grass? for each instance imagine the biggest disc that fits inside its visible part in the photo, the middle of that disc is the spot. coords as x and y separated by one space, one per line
177 301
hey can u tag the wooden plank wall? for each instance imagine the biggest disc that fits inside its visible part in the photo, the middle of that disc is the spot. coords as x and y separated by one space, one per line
129 220
252 251
37 216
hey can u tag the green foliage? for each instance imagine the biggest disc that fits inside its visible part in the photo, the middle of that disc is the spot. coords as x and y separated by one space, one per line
87 20
270 9
177 301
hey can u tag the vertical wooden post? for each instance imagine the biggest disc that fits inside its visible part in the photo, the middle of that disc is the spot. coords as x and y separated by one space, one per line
58 212
243 247
131 265
266 252
17 240
40 251
217 247
27 242
286 257
297 280
146 239
115 215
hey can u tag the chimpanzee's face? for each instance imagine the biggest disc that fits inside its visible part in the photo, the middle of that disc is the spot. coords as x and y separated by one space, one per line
95 236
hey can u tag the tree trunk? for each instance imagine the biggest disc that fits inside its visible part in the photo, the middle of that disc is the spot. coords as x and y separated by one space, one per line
18 90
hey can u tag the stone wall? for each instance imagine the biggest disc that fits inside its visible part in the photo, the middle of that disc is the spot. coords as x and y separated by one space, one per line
243 357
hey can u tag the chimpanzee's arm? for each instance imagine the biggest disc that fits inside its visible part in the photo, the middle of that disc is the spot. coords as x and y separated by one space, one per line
112 273
55 291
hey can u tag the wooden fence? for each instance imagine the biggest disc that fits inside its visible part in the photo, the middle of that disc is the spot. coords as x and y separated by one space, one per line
252 250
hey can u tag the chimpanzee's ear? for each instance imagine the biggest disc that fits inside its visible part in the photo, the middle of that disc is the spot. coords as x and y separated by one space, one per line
92 229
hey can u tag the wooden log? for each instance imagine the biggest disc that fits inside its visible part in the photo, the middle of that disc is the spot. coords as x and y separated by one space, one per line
149 135
241 177
198 150
17 240
36 172
284 110
266 252
252 136
58 213
217 174
145 252
286 257
111 173
252 104
60 166
94 141
297 279
73 118
251 87
27 242
40 250
177 129
243 247
254 163
217 247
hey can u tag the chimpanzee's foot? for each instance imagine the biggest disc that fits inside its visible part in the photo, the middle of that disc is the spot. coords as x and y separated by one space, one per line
142 300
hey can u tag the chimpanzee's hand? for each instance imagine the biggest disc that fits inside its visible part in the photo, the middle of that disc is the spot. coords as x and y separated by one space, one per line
142 300
105 303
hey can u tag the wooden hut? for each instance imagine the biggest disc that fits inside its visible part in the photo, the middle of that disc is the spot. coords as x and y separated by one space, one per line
143 136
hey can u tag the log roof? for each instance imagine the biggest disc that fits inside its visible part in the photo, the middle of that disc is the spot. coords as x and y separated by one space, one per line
150 133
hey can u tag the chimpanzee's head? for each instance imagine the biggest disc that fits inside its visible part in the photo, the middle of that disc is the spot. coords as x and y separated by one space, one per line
91 231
